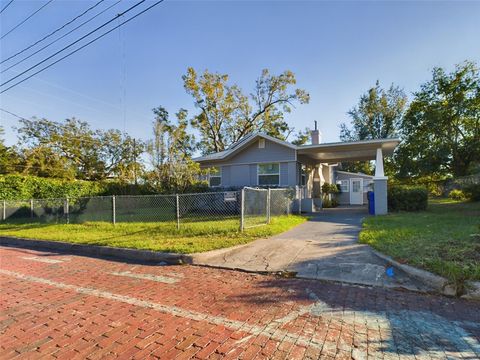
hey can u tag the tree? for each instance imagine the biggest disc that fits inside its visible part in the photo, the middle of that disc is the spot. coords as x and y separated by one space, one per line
302 137
49 147
227 114
9 157
441 129
170 153
377 115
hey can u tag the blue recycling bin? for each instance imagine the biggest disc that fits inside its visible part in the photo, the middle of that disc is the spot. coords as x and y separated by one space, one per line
371 202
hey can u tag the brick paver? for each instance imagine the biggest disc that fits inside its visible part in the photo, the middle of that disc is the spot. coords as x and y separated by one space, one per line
72 307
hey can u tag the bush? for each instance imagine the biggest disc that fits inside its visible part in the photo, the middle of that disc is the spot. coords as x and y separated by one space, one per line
457 195
472 192
327 203
407 198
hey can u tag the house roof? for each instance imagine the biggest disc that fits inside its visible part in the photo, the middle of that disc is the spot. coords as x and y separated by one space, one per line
241 144
325 152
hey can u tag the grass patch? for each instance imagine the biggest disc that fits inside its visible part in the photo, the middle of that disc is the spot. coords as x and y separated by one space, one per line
192 237
444 239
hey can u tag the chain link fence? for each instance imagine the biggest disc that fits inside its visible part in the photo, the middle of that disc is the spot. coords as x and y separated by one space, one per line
244 208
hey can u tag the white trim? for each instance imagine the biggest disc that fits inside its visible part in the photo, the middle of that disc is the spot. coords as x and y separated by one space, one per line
347 143
351 190
258 174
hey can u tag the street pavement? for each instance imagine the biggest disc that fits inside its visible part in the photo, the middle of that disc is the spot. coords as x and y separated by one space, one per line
71 307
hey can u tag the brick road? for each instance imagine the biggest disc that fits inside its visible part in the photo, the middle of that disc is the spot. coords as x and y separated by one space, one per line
65 306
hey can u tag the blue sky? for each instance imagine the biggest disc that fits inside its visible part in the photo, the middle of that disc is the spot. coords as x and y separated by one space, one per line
336 49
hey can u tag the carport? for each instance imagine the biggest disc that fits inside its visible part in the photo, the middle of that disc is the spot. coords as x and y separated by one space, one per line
320 158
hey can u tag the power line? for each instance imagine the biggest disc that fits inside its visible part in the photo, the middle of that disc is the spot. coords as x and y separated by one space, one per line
83 46
26 19
54 31
13 114
60 38
73 43
6 6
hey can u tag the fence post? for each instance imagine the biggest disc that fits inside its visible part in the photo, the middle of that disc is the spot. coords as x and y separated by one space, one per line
242 209
269 194
178 210
114 214
300 203
67 210
288 205
4 211
31 208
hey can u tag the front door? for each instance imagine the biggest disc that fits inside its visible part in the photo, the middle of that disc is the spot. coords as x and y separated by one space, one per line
356 191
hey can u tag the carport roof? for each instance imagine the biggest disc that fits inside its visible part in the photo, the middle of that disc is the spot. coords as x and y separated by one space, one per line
347 151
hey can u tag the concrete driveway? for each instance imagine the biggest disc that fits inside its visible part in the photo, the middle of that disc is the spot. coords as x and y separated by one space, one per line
325 247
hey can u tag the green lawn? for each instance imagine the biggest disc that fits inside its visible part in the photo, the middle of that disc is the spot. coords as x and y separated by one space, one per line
159 236
444 239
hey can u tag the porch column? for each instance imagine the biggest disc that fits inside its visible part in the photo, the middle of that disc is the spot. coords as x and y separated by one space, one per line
317 181
380 185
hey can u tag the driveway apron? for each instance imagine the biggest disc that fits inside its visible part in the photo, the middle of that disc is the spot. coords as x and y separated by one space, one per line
325 248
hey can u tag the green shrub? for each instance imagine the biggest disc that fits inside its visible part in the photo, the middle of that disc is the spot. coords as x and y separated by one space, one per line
407 198
472 192
456 194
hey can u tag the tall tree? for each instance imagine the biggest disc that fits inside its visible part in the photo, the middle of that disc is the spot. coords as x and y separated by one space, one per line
170 152
227 114
377 115
441 129
73 146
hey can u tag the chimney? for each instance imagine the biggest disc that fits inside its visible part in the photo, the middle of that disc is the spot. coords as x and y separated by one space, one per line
315 134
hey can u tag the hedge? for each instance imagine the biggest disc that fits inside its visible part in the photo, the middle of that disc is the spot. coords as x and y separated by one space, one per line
18 187
407 198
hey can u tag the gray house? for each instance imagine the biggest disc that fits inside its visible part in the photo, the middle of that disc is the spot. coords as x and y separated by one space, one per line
262 160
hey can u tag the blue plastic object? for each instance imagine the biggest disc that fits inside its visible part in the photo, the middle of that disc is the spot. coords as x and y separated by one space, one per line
389 272
371 202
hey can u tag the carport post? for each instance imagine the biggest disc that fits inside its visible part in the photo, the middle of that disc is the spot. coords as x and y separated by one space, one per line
177 201
114 214
4 212
31 208
242 209
380 186
269 194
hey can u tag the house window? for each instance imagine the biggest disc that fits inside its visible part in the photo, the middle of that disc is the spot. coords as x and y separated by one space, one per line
261 144
344 185
215 177
269 174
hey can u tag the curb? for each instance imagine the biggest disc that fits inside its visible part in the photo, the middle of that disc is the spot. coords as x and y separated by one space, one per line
142 256
438 283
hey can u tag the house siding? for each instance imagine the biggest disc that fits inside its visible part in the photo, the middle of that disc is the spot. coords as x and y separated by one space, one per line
241 169
253 174
272 152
